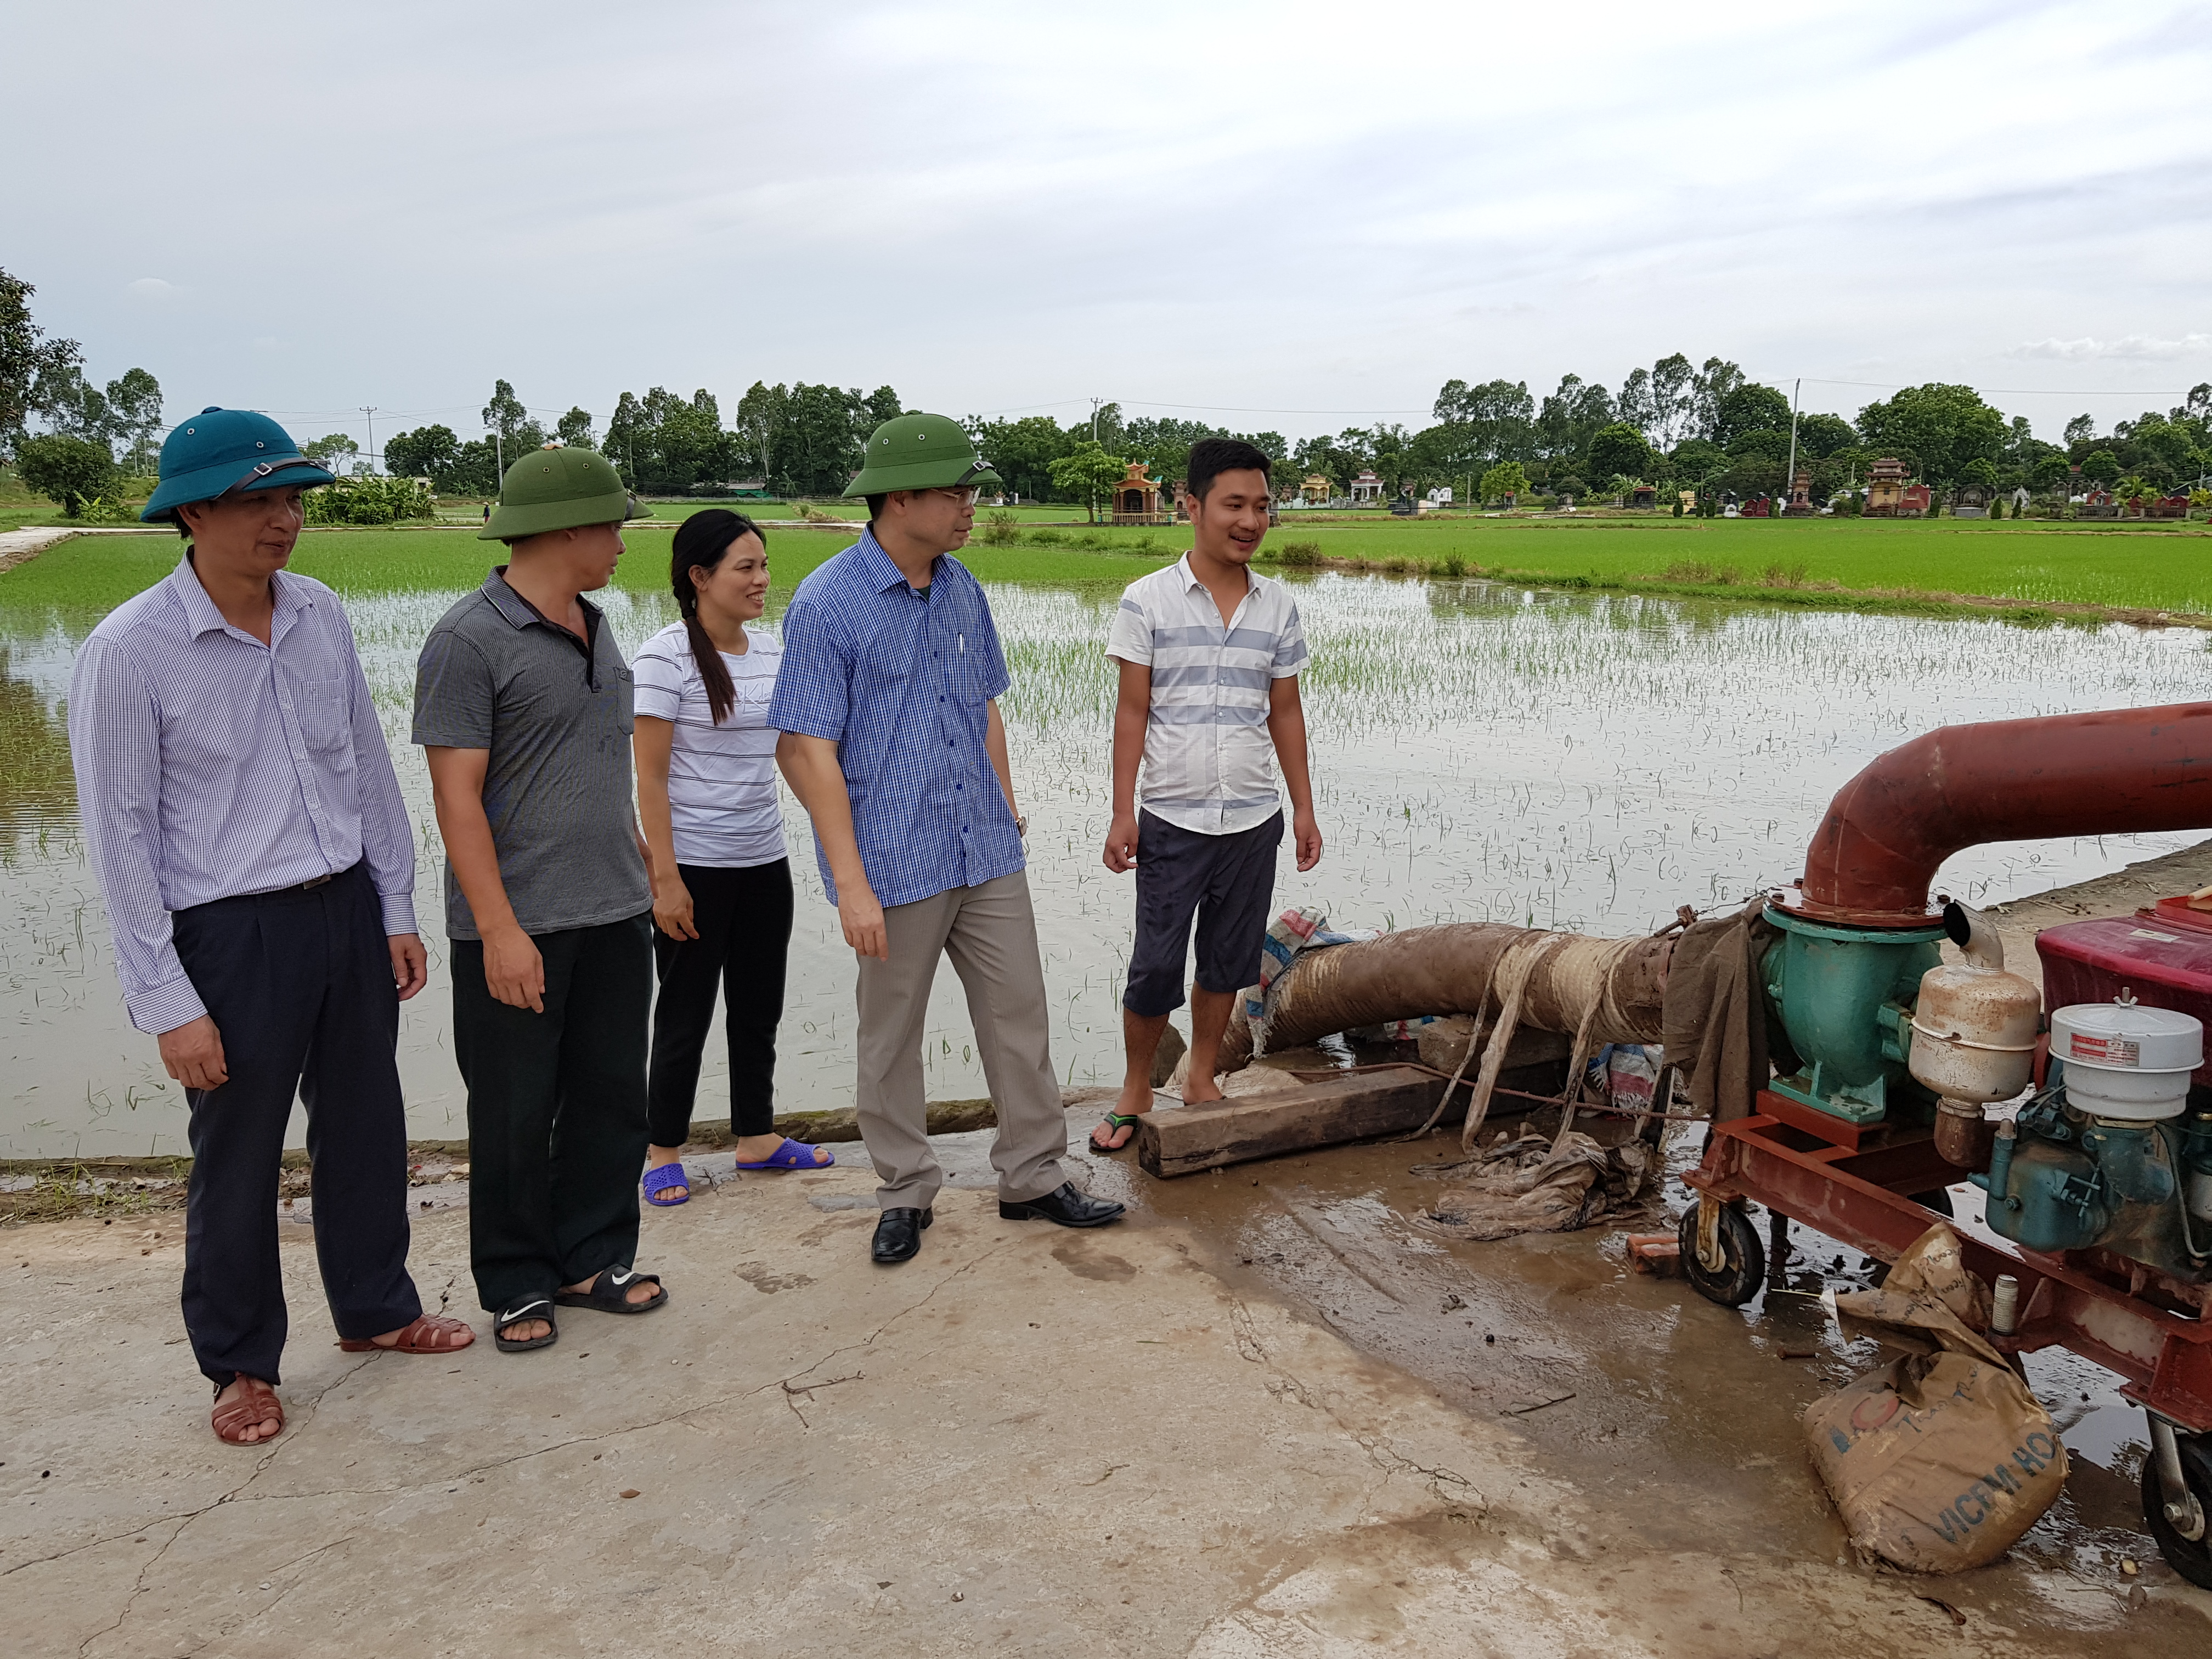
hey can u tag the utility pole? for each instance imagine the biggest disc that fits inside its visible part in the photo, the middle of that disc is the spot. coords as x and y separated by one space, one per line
1095 402
371 413
498 460
1790 483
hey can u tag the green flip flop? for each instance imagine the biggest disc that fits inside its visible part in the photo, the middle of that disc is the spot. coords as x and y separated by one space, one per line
1111 1122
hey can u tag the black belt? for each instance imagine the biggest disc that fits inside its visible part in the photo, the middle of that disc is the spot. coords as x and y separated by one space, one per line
307 886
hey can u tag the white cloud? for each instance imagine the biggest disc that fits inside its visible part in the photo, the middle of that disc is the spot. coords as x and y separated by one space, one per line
988 205
2131 348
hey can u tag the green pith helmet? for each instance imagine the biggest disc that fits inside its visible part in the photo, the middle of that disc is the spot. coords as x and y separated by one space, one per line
921 452
557 489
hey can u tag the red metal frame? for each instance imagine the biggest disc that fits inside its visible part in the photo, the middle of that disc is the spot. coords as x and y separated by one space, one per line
1849 1182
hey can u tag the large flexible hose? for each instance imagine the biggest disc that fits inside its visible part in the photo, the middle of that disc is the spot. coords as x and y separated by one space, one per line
1610 989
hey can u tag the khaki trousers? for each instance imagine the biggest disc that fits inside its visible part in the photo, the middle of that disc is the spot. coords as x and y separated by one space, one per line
990 932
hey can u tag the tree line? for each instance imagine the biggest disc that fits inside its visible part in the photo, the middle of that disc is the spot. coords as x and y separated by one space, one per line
1675 423
92 434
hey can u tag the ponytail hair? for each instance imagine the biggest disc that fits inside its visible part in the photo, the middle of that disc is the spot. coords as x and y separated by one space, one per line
702 542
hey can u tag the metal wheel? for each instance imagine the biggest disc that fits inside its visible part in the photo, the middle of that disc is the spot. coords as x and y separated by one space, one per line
2190 1557
1743 1266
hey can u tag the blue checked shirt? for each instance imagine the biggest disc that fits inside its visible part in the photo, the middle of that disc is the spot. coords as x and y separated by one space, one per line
902 684
209 765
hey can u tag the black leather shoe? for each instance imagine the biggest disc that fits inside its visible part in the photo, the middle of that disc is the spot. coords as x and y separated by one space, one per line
898 1235
1066 1205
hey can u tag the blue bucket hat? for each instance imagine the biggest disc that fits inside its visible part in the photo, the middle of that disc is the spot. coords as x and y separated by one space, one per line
219 450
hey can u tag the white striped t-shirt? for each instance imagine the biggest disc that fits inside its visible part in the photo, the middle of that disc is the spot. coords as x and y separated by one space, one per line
721 779
1209 759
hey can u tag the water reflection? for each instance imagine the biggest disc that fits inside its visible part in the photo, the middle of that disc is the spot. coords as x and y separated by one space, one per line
1481 752
37 792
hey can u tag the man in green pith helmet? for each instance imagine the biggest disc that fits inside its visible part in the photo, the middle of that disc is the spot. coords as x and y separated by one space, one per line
523 705
888 702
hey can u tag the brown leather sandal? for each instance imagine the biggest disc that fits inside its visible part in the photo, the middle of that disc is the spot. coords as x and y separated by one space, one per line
430 1333
254 1403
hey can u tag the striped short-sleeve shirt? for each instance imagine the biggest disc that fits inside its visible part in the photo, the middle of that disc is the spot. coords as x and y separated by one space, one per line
1209 759
722 805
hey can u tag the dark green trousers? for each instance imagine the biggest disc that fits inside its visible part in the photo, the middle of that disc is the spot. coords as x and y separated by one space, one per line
556 1110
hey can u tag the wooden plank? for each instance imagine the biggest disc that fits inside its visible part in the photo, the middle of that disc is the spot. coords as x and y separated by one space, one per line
1181 1141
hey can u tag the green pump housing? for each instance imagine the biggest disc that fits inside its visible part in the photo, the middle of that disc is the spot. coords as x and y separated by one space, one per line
1846 995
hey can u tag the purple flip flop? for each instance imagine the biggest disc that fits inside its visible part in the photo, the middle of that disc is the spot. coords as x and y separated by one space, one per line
662 1176
791 1155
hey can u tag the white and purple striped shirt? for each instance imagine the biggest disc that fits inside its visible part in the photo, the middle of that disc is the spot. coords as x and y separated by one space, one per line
210 765
1209 757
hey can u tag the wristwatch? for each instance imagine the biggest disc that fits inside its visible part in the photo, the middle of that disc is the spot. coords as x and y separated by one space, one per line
1021 826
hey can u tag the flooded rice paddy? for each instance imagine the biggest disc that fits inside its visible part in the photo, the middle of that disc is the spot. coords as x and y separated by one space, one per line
1481 752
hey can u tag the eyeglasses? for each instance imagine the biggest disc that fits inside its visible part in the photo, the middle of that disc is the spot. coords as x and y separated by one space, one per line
966 497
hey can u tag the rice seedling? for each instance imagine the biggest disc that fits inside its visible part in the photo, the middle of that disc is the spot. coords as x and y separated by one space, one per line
1554 755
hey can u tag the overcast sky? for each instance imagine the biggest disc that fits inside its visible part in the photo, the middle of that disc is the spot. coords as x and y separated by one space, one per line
1272 216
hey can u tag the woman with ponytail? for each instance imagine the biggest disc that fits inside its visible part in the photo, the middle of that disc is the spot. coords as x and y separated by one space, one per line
714 837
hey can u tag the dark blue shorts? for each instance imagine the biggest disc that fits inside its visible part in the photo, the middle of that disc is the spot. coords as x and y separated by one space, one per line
1229 881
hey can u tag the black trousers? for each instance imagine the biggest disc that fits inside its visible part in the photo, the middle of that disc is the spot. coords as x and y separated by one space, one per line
744 922
1228 881
299 985
556 1110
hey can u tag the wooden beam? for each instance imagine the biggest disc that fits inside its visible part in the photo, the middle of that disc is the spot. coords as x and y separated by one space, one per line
1181 1141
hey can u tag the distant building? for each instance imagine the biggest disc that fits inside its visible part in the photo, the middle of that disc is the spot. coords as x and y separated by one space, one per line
1801 496
2175 506
1971 501
1643 499
2097 504
1315 489
1137 498
1366 487
1886 484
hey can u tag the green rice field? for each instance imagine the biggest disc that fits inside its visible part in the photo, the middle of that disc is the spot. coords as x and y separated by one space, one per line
2159 566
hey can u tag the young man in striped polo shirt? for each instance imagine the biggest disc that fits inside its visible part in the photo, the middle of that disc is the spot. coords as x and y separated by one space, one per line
1209 655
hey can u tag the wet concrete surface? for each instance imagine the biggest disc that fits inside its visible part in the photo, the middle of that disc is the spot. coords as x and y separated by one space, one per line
1683 1414
1263 1418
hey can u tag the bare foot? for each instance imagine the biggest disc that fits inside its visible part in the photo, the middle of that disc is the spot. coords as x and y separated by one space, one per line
758 1149
526 1330
655 1157
1201 1092
433 1333
1117 1135
1134 1101
641 1291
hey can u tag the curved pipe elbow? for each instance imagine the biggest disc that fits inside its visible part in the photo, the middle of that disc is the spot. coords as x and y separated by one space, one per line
2111 772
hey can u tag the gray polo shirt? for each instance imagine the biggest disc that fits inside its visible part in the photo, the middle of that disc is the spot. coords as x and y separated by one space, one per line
555 711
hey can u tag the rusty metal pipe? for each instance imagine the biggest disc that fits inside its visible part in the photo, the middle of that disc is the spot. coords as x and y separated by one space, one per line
2105 773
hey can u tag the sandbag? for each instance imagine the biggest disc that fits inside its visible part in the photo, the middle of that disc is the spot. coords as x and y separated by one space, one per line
1941 1459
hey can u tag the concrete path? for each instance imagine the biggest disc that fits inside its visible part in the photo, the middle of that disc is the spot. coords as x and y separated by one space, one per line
1027 1441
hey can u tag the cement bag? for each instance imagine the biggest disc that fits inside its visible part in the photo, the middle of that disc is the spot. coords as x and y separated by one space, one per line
1941 1460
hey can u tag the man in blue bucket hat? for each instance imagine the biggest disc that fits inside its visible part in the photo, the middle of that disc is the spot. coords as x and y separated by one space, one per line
246 828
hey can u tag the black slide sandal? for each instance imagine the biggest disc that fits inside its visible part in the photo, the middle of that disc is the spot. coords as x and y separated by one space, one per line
537 1307
607 1292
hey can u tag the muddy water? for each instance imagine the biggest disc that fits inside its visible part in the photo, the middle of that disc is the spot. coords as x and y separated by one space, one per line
1481 752
1680 1416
